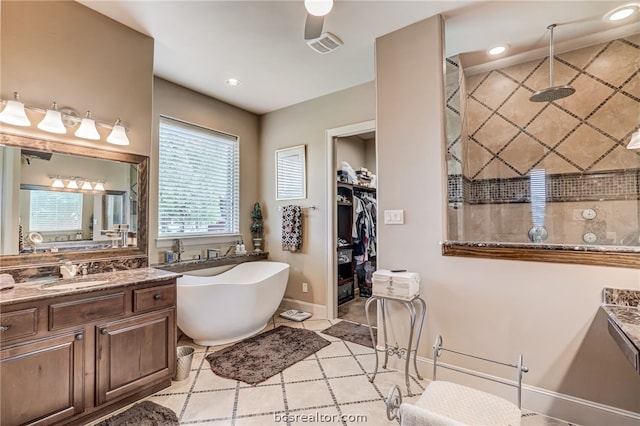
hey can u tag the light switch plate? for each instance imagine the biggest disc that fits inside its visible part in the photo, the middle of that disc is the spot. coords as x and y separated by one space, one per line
394 217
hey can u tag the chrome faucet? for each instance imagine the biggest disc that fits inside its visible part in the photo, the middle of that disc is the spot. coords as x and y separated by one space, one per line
68 269
231 247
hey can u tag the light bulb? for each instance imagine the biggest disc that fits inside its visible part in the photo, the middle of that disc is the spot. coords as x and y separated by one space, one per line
87 129
72 184
99 186
14 113
118 135
52 121
87 186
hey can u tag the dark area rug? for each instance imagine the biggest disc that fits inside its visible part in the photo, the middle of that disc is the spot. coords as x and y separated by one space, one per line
351 332
256 359
146 413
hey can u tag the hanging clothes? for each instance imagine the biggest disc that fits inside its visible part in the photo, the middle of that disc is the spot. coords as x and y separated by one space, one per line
291 228
364 227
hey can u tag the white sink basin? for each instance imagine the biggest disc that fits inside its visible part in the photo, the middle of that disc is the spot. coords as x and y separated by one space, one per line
74 285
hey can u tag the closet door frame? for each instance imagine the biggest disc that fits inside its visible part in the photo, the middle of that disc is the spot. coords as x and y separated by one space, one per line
331 168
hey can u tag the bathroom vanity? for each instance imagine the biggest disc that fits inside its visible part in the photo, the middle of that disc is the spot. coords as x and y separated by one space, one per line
76 349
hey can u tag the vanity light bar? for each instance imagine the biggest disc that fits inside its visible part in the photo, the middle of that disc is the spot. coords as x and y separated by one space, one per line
74 182
57 121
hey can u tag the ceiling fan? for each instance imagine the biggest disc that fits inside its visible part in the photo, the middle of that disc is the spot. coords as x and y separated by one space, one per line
316 11
313 35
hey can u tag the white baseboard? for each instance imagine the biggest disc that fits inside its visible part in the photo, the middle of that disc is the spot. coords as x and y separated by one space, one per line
318 311
549 403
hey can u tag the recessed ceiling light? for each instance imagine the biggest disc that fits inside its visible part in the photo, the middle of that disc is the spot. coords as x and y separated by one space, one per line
232 82
496 50
622 12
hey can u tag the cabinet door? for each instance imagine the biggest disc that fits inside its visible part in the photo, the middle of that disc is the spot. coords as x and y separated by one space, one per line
42 381
134 353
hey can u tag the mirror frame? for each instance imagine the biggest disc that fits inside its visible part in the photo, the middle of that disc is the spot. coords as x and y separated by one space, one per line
141 250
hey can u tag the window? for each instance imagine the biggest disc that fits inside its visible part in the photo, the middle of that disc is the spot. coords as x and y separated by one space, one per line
55 211
291 173
198 181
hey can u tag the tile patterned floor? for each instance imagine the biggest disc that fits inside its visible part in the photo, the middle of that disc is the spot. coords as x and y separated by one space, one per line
332 383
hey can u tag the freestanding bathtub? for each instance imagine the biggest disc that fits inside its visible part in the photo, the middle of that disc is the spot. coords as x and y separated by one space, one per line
233 305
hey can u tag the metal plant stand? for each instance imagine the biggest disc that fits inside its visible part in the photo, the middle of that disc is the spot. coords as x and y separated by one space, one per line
402 353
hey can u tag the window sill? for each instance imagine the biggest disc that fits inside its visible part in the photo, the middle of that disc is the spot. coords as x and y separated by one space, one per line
197 240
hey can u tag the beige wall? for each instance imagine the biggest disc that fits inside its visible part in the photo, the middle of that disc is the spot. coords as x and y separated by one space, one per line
496 308
351 150
306 123
175 101
63 51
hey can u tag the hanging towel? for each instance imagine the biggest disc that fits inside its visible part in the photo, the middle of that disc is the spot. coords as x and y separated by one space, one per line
291 228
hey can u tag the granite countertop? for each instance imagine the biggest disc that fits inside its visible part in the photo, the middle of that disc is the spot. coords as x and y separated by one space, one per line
627 318
623 309
42 289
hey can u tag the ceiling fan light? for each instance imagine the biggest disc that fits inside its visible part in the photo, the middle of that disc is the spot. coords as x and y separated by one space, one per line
14 113
318 7
52 121
87 129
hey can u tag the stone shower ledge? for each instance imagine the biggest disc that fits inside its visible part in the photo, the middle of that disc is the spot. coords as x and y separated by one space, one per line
621 256
191 265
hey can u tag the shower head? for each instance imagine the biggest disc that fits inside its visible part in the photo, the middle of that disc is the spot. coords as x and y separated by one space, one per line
552 93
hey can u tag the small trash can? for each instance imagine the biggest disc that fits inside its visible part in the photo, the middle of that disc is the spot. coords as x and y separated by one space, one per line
183 362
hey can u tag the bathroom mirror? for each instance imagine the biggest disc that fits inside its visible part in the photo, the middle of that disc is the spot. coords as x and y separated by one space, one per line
291 176
74 197
545 181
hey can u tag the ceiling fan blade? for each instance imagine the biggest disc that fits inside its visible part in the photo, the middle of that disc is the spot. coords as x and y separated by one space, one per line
313 26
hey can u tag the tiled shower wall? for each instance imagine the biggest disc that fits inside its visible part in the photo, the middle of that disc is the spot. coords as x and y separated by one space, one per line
579 141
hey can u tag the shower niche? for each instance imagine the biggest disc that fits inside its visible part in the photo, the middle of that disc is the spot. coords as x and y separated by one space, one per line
551 181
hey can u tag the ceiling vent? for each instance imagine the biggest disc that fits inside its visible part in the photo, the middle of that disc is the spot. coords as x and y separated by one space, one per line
326 43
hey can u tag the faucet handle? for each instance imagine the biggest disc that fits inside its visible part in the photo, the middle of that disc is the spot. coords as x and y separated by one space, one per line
83 268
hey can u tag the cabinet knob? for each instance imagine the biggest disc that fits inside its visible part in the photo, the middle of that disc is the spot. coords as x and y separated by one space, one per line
79 336
104 331
157 297
3 328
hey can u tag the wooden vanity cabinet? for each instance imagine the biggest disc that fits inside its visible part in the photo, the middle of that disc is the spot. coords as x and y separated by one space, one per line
69 358
42 381
133 353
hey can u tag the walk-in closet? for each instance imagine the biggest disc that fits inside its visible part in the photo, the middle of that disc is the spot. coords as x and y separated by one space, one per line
356 224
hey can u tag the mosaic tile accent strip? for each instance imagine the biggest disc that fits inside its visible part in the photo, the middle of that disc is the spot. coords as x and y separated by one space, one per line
596 186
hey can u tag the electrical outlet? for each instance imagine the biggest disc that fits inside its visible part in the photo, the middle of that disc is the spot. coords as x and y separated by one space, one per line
305 287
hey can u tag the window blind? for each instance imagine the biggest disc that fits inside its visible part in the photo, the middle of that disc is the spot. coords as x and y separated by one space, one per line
55 211
198 181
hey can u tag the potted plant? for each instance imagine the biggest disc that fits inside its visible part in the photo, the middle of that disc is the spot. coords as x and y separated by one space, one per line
257 227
